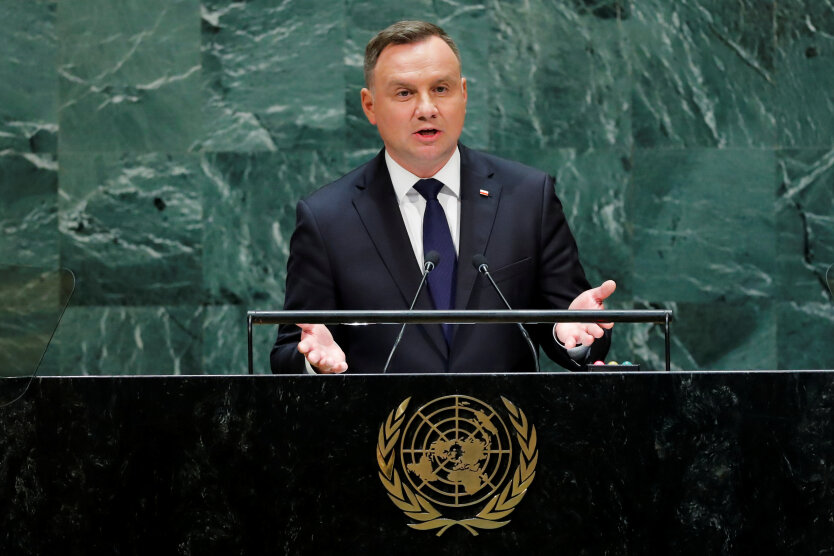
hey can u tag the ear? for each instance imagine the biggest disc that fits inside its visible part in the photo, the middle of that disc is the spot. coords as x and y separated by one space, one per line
463 87
367 98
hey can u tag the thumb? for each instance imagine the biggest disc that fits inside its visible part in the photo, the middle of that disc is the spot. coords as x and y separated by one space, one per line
605 289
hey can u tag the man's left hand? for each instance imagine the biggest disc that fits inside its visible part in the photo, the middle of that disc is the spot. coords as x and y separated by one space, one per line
572 334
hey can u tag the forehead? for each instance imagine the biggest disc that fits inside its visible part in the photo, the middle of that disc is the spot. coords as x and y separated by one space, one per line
430 58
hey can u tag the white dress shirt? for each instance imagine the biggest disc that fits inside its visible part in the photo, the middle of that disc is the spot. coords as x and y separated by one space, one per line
413 205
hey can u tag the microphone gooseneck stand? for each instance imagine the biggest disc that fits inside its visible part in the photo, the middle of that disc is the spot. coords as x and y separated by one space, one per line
480 263
432 258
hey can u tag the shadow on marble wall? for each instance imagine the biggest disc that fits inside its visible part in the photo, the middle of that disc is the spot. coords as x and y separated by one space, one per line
158 149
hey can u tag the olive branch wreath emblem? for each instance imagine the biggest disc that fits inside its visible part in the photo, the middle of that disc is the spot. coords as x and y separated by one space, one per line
418 508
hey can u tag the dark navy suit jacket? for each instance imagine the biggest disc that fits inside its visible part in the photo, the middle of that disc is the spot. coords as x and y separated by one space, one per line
350 250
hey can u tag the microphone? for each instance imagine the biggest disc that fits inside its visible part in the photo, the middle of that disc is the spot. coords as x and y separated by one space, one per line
479 261
829 278
432 258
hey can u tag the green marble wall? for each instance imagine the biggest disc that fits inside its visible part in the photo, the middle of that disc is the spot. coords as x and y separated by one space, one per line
157 148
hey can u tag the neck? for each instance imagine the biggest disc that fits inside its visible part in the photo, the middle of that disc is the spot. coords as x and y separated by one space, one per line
422 171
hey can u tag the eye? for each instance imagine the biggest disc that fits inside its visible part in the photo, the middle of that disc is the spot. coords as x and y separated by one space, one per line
442 89
402 93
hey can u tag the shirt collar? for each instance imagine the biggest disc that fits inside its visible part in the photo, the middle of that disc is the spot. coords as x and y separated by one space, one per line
403 180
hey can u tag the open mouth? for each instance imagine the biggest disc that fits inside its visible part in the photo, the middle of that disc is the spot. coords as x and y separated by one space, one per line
428 133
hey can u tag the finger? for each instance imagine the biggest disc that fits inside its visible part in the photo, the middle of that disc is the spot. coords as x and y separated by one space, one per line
606 325
335 368
306 328
314 358
306 345
332 367
336 362
568 334
324 369
594 330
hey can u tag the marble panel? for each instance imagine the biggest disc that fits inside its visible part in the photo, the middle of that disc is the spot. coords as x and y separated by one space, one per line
50 363
805 73
358 157
273 75
33 300
703 224
131 228
29 209
805 332
559 75
129 75
804 223
463 20
709 336
250 202
224 341
28 84
566 86
703 73
109 340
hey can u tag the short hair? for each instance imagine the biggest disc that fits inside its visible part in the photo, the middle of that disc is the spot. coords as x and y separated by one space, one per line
402 32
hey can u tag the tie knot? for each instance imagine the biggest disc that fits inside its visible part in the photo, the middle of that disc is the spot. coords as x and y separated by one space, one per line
428 188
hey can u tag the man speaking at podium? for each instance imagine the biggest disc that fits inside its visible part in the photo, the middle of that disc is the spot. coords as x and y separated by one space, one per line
360 243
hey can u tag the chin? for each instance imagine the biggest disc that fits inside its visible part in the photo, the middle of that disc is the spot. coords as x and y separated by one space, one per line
433 152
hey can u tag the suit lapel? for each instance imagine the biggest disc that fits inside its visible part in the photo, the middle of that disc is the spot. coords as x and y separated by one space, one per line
377 206
477 217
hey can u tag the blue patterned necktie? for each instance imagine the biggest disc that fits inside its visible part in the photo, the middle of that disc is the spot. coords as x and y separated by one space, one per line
436 237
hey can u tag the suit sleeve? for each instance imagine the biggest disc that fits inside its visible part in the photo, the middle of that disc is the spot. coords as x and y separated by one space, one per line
561 279
309 286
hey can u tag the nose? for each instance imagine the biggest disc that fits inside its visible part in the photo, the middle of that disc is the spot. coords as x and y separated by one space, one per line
426 107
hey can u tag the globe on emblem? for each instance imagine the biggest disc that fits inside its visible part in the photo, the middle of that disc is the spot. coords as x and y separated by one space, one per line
456 451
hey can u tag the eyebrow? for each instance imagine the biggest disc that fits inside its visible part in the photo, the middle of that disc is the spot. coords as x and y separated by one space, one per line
407 85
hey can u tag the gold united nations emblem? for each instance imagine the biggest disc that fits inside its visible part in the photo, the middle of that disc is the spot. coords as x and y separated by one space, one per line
452 463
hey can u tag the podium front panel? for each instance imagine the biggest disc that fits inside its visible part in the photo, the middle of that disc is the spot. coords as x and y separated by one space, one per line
586 463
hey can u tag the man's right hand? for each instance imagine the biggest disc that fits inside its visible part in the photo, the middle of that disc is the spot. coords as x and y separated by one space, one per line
321 351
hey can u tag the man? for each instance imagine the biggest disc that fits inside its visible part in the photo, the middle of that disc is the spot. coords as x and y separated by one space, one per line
359 242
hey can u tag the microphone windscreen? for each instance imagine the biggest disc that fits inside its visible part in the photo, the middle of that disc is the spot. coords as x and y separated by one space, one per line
478 259
432 257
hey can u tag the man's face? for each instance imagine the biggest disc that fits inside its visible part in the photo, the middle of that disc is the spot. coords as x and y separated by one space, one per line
417 101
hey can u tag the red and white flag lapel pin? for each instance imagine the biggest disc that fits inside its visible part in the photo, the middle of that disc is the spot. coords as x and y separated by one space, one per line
484 193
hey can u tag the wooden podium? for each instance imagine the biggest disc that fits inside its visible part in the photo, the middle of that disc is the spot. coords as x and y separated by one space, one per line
645 463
